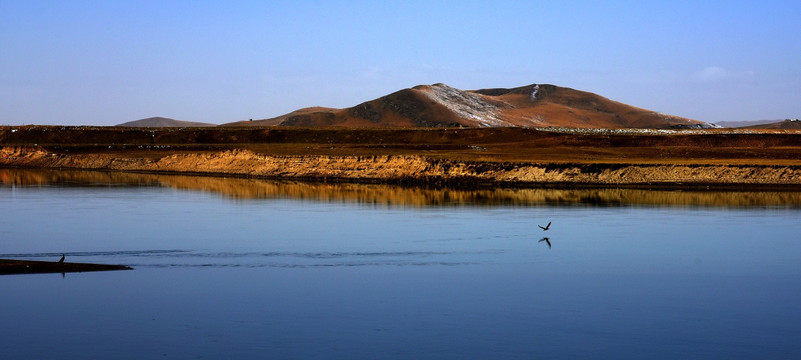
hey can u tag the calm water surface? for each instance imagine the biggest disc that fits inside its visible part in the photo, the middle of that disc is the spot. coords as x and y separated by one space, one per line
234 268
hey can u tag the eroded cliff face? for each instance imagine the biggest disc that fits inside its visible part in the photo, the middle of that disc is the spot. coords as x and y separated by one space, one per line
403 168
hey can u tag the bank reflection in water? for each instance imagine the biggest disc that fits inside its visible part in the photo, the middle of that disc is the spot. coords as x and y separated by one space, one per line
390 195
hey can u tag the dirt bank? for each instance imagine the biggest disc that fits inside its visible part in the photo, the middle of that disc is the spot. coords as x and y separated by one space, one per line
410 169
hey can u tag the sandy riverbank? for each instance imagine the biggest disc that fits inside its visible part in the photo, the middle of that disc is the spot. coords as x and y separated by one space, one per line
462 157
408 169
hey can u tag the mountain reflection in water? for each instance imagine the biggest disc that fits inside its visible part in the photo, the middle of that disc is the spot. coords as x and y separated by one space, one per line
391 195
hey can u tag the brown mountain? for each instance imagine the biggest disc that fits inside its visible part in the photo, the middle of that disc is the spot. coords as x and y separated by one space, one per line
163 122
439 105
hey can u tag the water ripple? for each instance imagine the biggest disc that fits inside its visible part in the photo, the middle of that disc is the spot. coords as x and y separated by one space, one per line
94 253
175 258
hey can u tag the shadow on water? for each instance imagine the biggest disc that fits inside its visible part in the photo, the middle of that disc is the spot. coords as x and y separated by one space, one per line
389 195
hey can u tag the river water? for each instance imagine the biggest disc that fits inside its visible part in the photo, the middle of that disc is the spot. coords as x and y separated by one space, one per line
242 268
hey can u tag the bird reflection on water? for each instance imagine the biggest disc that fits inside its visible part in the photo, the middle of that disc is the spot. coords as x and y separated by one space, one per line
547 240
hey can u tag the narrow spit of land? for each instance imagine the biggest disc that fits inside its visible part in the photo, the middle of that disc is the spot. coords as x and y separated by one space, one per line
12 267
520 157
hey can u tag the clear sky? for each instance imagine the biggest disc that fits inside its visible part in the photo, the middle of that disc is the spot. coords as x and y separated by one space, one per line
106 62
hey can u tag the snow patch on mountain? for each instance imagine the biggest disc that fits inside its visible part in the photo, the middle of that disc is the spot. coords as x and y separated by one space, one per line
464 104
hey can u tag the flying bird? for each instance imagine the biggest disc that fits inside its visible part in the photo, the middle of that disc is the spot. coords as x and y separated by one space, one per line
547 241
62 258
546 226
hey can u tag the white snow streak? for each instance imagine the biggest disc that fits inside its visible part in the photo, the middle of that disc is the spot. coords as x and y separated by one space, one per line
465 105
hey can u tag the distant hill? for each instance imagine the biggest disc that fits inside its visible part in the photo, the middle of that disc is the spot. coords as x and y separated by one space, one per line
736 124
285 119
786 124
439 105
163 122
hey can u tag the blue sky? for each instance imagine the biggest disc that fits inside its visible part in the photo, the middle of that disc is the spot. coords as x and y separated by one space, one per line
107 62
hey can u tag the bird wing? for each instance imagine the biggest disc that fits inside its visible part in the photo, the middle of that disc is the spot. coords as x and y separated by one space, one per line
540 226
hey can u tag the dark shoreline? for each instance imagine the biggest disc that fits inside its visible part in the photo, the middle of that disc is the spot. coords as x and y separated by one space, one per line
13 267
